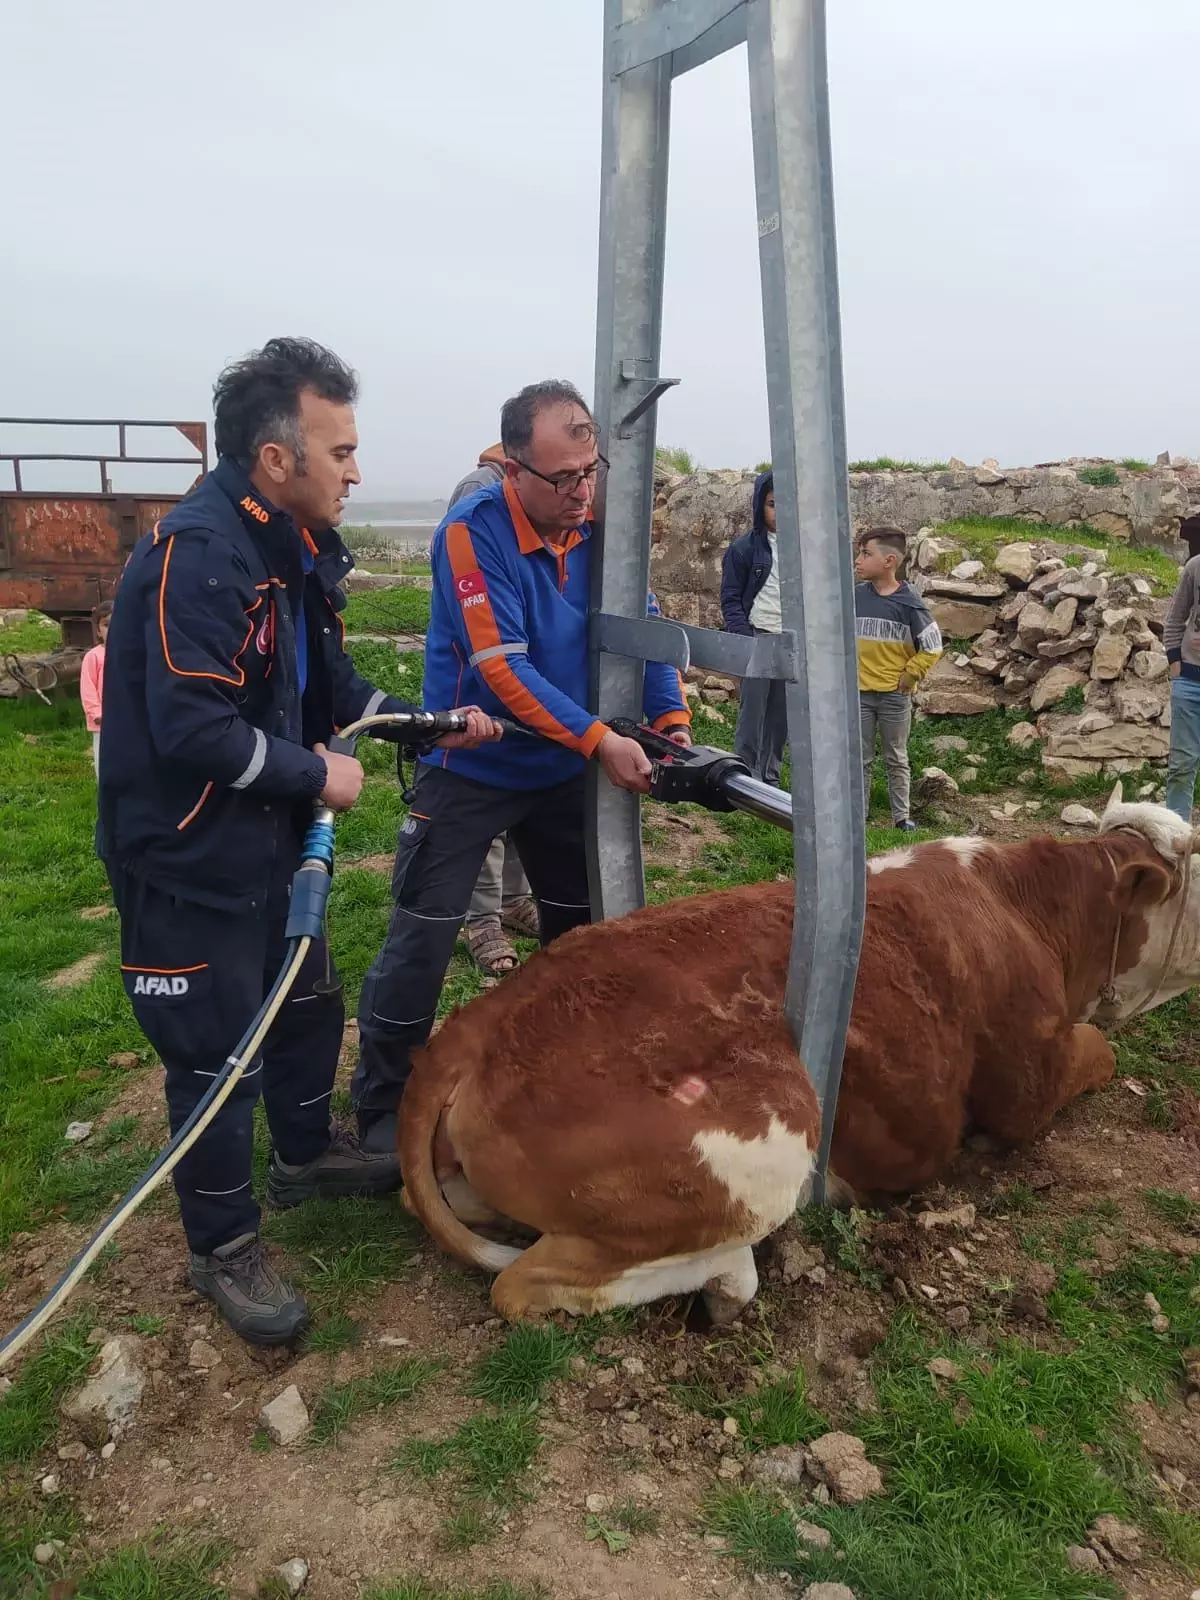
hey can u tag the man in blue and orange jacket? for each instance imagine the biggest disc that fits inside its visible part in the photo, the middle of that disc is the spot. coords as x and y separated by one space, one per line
225 678
509 631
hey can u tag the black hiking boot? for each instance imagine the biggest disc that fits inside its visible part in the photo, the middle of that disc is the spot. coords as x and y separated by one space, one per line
254 1300
346 1168
379 1134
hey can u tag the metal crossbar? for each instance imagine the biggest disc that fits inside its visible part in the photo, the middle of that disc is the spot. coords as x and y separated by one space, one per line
647 44
196 434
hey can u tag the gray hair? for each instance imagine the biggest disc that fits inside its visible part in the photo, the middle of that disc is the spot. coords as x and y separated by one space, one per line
518 415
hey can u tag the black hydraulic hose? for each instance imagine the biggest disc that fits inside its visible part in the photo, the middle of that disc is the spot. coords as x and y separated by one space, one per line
306 921
169 1157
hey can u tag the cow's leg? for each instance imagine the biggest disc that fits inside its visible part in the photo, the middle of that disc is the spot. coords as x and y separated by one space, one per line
1071 1064
726 1296
558 1273
561 1273
467 1205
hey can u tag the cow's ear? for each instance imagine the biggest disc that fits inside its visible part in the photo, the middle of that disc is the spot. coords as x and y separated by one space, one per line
1142 884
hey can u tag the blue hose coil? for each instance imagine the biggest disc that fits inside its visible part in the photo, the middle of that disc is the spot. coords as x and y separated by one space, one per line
318 844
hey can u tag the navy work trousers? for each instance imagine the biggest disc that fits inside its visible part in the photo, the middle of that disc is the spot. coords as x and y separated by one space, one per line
196 977
439 853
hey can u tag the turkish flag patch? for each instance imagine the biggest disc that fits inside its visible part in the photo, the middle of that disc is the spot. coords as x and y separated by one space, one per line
470 583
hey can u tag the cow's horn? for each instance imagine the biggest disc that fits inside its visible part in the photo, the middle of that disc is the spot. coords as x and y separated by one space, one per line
1117 796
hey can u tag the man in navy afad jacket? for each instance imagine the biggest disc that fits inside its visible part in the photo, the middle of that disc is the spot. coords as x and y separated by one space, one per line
226 677
750 605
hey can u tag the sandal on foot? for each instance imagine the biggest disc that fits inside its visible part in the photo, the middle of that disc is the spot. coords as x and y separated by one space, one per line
488 948
521 918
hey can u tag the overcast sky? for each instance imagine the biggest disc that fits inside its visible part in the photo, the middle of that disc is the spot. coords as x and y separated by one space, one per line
417 185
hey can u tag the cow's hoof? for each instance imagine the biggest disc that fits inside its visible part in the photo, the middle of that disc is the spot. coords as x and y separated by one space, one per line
727 1296
722 1308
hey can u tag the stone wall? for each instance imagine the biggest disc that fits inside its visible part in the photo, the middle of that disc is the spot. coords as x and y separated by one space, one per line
1050 629
695 517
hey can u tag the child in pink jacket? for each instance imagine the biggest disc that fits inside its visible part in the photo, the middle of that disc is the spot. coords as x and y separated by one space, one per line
91 679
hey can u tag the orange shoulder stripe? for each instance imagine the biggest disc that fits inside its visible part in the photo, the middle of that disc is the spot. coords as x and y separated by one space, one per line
182 672
484 634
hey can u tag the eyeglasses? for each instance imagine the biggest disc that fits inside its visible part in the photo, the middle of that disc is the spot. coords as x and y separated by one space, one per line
568 482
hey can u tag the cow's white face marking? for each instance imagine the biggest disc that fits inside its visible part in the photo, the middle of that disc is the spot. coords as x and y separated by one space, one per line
767 1175
1171 836
892 860
966 847
1133 987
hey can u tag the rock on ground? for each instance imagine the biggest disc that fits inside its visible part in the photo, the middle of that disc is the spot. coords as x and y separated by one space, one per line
839 1460
796 1260
294 1574
1076 816
1120 1538
783 1465
1081 1559
809 1533
936 784
108 1401
943 1367
828 1591
956 1217
286 1417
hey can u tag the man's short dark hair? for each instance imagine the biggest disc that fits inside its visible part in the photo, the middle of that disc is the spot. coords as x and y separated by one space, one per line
518 415
886 538
256 400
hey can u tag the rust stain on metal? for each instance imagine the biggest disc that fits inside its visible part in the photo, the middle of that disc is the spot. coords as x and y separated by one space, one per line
64 553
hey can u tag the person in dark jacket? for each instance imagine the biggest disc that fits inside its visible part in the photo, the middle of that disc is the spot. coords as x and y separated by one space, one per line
226 676
750 605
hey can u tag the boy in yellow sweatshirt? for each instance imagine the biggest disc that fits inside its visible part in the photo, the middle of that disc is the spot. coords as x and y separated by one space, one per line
898 642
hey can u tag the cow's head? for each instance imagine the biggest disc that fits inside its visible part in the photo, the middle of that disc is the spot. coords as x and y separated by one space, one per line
1159 892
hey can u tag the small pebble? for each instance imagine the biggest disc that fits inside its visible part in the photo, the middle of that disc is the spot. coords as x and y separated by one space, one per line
294 1574
109 1450
199 1502
730 1427
44 1553
77 1132
49 1484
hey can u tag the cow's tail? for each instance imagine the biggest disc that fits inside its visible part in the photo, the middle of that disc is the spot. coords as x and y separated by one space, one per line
426 1097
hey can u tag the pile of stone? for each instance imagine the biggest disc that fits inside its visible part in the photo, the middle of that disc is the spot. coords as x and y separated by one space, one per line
1047 623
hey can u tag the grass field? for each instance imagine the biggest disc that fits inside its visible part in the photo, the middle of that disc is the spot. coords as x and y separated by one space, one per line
990 1471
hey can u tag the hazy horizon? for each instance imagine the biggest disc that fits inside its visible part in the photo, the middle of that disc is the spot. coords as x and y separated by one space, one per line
1017 239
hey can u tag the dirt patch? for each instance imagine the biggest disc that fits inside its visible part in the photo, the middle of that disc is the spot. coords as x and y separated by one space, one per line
678 837
78 972
384 863
96 913
190 1459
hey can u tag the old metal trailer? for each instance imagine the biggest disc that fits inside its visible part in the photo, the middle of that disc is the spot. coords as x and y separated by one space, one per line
61 550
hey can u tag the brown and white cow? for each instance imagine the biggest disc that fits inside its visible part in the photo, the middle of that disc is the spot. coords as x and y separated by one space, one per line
634 1097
